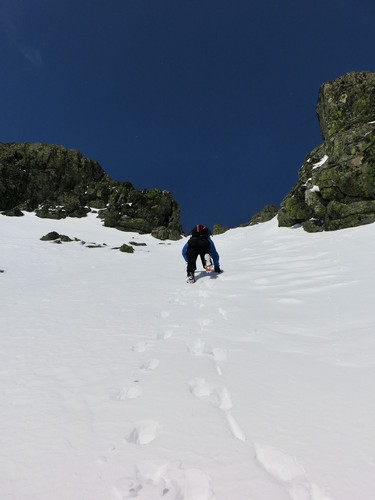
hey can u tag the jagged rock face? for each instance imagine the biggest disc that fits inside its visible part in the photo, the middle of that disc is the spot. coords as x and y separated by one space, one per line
57 182
346 102
336 184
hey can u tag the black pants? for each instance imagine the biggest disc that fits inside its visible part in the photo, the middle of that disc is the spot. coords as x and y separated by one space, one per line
196 246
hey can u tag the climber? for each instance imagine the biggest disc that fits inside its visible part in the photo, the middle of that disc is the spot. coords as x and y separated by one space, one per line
200 244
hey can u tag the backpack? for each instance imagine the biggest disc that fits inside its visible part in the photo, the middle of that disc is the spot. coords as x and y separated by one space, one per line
200 231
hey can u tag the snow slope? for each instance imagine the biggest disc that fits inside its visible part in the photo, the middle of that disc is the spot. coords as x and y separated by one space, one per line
119 380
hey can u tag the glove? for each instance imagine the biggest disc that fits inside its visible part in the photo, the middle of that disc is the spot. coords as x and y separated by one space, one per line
217 269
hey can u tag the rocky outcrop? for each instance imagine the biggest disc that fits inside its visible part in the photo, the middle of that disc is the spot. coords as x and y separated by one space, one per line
267 213
336 183
56 182
220 229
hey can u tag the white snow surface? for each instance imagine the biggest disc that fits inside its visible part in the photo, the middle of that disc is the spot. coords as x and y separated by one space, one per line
320 163
120 380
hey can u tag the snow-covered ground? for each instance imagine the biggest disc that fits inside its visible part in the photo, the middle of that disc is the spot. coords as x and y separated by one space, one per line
119 380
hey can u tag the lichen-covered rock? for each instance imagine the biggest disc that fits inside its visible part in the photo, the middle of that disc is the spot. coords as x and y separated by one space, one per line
56 237
53 235
56 183
137 244
13 212
219 229
35 174
161 233
346 102
126 248
267 213
336 183
65 238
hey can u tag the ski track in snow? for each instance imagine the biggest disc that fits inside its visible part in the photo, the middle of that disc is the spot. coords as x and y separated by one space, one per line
219 390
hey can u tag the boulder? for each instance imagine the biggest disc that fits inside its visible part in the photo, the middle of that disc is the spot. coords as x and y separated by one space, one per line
137 244
57 238
52 236
126 248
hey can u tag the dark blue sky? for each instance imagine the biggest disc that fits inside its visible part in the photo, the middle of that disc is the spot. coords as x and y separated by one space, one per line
213 100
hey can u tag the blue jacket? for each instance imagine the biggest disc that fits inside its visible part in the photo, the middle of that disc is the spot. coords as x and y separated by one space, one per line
213 252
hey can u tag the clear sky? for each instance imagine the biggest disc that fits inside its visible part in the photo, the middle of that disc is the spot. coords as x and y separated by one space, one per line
213 100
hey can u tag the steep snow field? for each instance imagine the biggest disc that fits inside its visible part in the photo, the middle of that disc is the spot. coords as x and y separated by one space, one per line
119 380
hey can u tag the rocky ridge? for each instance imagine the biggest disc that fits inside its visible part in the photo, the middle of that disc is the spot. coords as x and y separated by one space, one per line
336 183
335 187
56 183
